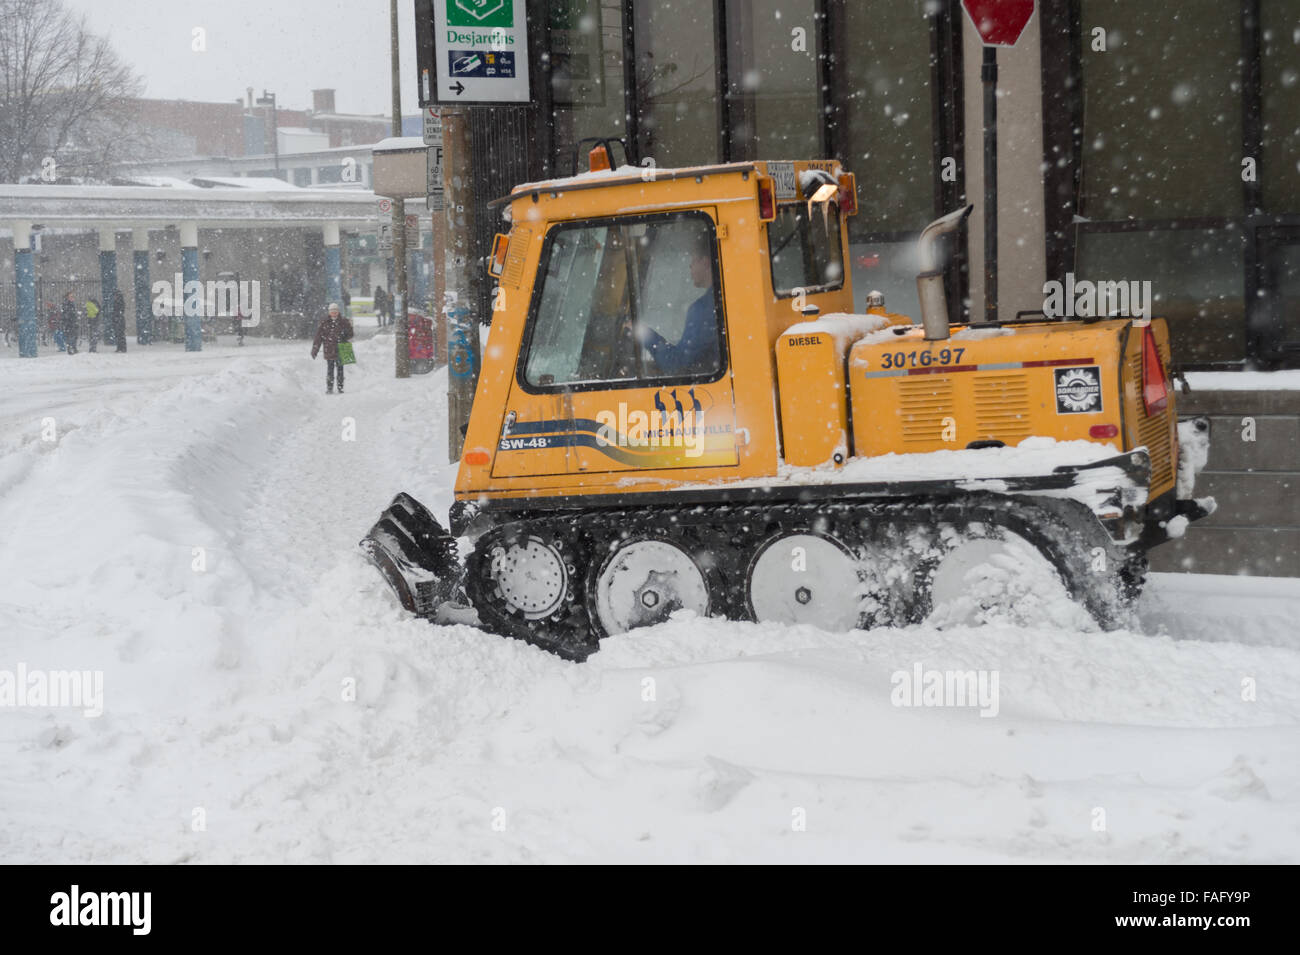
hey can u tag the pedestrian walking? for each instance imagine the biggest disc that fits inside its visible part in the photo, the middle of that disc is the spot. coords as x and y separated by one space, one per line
381 306
334 328
119 319
70 324
92 323
347 305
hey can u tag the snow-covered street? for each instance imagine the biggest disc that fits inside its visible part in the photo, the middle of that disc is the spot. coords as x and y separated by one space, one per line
187 524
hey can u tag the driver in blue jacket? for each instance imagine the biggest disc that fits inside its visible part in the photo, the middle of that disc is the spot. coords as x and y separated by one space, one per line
697 350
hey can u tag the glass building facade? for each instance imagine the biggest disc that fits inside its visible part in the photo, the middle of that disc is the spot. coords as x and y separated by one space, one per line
1170 134
1180 127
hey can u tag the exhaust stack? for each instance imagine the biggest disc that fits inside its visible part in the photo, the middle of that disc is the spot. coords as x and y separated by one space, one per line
929 283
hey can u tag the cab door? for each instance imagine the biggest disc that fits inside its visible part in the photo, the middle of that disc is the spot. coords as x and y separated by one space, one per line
624 363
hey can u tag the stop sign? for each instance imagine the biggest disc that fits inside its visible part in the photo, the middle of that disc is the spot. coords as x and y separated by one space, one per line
999 22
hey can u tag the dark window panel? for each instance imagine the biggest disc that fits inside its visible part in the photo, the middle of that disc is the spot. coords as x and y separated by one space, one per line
1280 93
888 127
1197 283
1162 110
676 83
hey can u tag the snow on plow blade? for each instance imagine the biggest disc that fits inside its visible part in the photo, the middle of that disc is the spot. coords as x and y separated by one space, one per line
416 555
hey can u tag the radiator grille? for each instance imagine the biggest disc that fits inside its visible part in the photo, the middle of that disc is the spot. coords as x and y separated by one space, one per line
1002 408
923 403
515 254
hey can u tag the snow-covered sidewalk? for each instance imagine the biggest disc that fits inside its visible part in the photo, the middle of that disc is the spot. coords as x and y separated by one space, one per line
187 524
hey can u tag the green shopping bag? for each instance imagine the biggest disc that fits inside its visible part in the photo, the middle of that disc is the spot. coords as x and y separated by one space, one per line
346 355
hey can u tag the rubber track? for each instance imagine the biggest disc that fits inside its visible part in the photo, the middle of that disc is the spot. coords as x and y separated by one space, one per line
724 537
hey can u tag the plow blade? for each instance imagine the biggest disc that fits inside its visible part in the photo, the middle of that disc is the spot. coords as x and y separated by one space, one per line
416 555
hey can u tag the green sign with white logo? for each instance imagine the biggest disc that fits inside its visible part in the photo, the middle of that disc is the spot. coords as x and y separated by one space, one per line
480 13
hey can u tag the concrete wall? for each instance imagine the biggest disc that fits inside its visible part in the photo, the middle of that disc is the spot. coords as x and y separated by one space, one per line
1022 237
1256 529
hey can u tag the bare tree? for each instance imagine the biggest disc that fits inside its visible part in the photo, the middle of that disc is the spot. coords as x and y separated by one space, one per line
67 102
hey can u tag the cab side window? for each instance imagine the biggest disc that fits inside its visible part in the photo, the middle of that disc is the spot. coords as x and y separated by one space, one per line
805 250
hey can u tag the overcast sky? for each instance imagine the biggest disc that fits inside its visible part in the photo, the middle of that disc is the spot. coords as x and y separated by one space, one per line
289 47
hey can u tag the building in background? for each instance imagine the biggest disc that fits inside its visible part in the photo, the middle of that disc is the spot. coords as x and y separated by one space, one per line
318 147
1154 143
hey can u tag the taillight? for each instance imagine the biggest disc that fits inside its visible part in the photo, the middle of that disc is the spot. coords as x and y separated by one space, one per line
848 199
1103 431
766 199
598 158
1155 387
497 264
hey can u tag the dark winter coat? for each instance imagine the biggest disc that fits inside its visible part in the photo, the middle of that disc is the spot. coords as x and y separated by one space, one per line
70 320
330 333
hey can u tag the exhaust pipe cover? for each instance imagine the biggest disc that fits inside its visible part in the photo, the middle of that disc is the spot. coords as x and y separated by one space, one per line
929 283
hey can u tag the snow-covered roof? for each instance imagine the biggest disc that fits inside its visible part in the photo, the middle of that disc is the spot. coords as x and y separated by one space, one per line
258 183
399 144
163 182
155 207
630 173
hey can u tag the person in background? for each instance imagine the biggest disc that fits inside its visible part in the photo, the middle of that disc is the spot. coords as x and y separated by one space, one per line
118 314
53 327
347 305
70 324
380 306
334 328
92 323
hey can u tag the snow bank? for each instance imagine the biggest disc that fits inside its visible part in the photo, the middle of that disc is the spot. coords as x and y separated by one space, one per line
278 706
1244 380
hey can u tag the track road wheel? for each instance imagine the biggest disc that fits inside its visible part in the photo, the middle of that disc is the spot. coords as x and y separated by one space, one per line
525 585
799 577
642 581
531 577
988 573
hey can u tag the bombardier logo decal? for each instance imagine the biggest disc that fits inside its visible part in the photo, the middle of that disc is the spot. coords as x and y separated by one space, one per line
1078 390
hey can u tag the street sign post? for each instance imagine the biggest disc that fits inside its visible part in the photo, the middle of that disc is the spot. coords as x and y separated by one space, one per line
472 52
433 164
998 23
384 225
435 193
432 126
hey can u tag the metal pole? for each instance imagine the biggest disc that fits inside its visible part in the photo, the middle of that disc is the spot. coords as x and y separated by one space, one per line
458 294
989 74
439 226
275 135
401 332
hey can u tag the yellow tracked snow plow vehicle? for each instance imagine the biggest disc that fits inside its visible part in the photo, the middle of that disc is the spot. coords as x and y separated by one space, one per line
679 409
